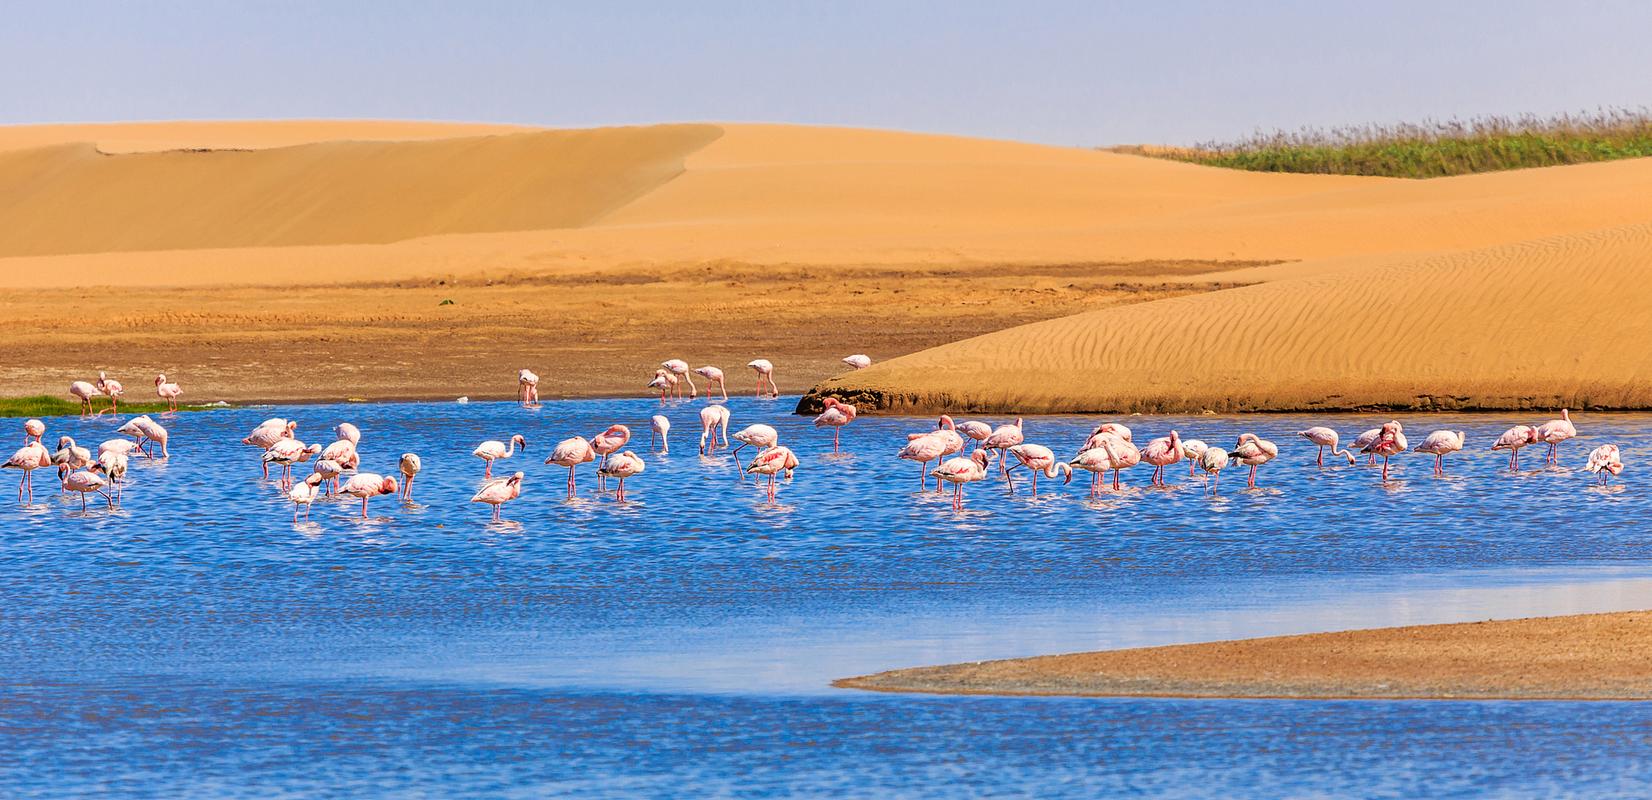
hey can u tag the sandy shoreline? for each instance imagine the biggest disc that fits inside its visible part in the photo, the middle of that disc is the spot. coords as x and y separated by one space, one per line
1578 657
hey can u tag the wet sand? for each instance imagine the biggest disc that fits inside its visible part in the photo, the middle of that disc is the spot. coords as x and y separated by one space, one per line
1582 657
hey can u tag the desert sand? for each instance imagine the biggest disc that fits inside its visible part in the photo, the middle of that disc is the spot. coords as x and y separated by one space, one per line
312 260
1585 657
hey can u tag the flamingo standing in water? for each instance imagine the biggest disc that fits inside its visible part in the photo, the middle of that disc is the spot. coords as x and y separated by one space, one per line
1606 461
1324 437
571 453
1037 459
168 391
1003 438
1556 431
659 433
974 430
858 361
1109 452
303 494
765 374
267 433
761 437
712 375
924 448
113 465
113 389
772 462
1441 444
1108 429
712 418
409 467
1253 451
31 457
286 453
33 430
527 388
1362 443
835 415
1213 460
87 481
621 466
960 470
1512 440
663 381
1193 450
1162 452
70 457
154 434
493 450
499 492
85 391
368 485
329 470
605 444
679 369
1389 443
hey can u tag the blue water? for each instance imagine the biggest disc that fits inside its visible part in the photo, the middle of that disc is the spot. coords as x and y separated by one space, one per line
197 643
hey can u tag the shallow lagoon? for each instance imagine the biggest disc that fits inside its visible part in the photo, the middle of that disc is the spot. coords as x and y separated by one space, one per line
197 643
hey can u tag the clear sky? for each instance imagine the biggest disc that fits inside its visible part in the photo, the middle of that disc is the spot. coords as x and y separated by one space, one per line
1069 72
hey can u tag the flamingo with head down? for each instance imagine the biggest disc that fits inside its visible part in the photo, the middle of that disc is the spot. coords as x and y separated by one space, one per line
1325 437
679 369
1253 451
858 361
605 444
1389 443
527 388
761 437
409 466
1161 453
659 433
835 414
1037 459
368 485
711 419
497 493
765 375
1513 440
712 375
621 466
1605 461
960 470
772 462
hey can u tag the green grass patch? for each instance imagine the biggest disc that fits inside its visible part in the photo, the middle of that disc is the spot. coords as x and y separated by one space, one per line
1430 149
48 406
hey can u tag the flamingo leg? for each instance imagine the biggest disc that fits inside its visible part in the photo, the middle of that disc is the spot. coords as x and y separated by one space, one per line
364 508
1252 482
1009 477
1035 483
1115 480
835 433
1321 460
1385 468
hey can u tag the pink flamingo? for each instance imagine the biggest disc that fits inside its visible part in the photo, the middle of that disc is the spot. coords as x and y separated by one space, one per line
1556 431
1038 459
1253 451
1512 440
143 429
960 470
498 493
527 388
342 452
33 430
924 448
85 391
605 444
303 494
1606 461
286 453
835 415
1193 450
679 369
267 433
114 466
1441 444
493 450
113 389
1324 437
1213 460
1161 453
329 470
711 418
858 361
368 485
975 430
87 481
1109 452
571 453
123 446
621 466
712 375
765 374
659 430
70 457
168 391
31 457
772 462
1389 443
761 437
1362 443
665 382
1109 429
409 467
1003 438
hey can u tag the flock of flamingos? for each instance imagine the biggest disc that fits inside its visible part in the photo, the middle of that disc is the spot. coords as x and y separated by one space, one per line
1110 447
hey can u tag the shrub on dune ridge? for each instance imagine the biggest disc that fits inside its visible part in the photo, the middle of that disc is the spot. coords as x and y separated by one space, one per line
1431 149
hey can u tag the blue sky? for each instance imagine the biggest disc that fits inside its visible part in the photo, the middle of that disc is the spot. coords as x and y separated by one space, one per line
1057 72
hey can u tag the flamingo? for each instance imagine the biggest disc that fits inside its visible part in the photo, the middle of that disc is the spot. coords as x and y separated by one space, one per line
1253 451
133 429
712 375
835 415
605 444
409 465
1512 440
1363 441
1003 437
1606 461
113 389
168 391
659 428
712 417
765 373
85 391
1556 431
87 481
571 453
499 492
304 493
30 457
924 448
1213 460
858 361
33 430
342 452
1441 444
329 470
948 431
286 453
113 464
679 368
1161 453
974 429
348 433
1112 429
1324 437
527 388
267 433
761 437
493 450
143 429
960 470
772 462
1193 450
368 485
621 465
70 457
1109 453
663 381
1390 442
122 446
1038 459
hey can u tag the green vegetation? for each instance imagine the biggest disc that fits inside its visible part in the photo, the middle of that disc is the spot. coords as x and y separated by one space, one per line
1431 149
48 406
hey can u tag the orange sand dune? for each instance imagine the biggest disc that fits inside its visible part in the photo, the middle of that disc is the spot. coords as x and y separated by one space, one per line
138 137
